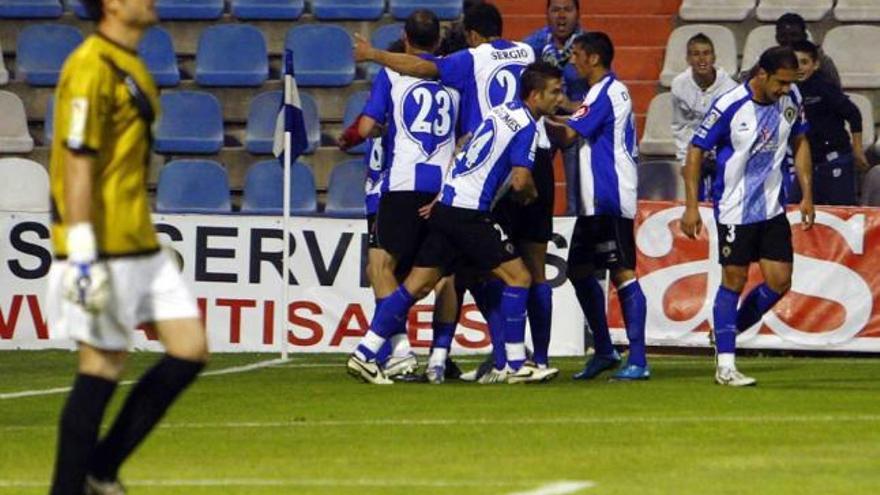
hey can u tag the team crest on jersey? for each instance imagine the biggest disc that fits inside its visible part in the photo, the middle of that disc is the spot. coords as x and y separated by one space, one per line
711 118
790 113
582 112
478 150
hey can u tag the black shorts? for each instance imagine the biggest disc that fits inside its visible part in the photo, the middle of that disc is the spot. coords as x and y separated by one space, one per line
740 245
399 228
462 237
372 242
604 242
533 222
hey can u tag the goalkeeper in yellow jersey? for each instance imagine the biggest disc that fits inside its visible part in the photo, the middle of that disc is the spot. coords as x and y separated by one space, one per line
109 273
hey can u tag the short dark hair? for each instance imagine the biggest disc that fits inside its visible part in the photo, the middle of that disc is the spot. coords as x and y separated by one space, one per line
597 42
95 8
423 29
791 19
485 19
807 47
453 40
778 57
535 78
577 4
702 39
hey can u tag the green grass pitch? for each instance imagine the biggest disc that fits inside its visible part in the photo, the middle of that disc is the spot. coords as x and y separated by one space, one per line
811 426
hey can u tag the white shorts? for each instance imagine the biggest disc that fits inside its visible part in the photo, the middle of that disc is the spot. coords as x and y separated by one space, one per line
143 289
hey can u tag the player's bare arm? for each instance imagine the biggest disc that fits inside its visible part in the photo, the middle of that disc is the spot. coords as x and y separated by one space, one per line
559 132
408 65
690 219
803 162
523 184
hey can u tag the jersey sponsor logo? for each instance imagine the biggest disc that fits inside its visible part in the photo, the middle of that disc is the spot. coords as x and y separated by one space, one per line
477 151
79 111
711 119
428 115
503 84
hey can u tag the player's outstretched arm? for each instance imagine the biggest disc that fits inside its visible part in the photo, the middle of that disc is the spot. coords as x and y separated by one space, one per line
691 223
803 162
560 134
403 63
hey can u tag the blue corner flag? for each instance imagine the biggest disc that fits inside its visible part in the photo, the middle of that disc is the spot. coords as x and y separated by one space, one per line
290 127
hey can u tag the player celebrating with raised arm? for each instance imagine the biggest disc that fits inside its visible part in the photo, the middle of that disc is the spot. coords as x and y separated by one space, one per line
110 274
603 235
751 127
462 229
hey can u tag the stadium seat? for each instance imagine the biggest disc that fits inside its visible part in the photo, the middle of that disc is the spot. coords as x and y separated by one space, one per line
264 189
77 7
758 40
14 136
41 51
857 68
322 55
658 138
445 9
871 188
716 10
191 122
857 11
369 10
49 121
345 191
232 55
193 186
24 185
660 180
189 9
676 49
267 9
867 110
262 117
810 10
4 73
353 107
33 9
382 38
157 50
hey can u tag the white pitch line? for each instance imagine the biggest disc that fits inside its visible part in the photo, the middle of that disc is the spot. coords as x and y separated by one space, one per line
452 422
318 482
559 488
223 371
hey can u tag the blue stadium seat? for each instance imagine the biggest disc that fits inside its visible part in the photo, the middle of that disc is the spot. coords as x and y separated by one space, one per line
348 9
264 189
47 9
267 9
445 9
191 122
262 116
345 192
189 9
232 55
353 107
322 55
41 51
157 50
193 186
383 38
77 7
49 120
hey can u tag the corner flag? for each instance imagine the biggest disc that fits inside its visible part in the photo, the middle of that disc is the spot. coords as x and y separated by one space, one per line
290 121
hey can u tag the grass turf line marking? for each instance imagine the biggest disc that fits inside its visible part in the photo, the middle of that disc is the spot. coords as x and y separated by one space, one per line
569 486
559 488
622 420
222 371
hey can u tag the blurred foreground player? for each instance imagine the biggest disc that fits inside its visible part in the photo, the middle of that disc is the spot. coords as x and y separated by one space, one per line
110 274
751 128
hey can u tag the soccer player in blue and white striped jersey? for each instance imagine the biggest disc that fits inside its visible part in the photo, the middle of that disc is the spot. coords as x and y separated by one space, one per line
603 235
751 127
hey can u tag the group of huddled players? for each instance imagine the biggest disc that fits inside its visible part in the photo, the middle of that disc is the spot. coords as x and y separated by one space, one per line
460 197
478 217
